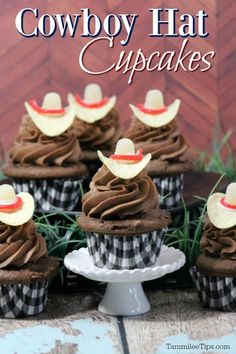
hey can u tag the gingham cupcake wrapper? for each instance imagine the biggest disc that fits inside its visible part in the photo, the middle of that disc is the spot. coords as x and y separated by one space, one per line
20 300
216 293
172 188
49 194
125 252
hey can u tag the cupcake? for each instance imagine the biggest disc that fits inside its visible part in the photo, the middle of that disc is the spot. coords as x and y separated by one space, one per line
96 125
155 130
25 267
215 270
125 228
45 158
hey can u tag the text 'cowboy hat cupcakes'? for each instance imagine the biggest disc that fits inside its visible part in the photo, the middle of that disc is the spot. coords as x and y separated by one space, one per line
125 228
45 158
155 130
25 267
97 125
215 270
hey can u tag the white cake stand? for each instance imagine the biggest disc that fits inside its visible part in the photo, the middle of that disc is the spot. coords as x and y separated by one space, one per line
124 295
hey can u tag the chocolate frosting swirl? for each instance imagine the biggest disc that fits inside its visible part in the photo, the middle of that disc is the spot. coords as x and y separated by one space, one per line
218 242
20 245
165 143
103 134
34 148
112 198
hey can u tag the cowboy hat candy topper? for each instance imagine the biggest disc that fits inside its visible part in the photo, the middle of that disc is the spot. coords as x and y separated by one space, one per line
154 113
51 119
125 163
93 106
221 208
15 209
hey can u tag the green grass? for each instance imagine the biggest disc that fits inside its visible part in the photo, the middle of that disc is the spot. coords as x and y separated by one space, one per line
220 159
62 234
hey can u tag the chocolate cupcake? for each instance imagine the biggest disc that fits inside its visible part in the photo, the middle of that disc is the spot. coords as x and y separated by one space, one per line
125 228
215 270
155 130
97 126
25 267
45 158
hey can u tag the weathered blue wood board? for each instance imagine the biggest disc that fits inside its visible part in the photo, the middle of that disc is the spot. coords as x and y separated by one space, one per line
72 325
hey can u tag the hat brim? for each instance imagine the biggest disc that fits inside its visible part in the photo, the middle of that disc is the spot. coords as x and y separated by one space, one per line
91 115
22 215
124 170
219 215
157 120
51 126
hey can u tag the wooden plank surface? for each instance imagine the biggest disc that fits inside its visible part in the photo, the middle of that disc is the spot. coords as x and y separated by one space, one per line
72 325
177 318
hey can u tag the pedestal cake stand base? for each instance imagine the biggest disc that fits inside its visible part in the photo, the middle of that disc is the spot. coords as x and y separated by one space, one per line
124 295
124 299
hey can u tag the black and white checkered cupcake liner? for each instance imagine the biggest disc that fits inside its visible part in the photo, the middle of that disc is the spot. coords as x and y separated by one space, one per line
170 189
125 252
21 300
50 194
216 293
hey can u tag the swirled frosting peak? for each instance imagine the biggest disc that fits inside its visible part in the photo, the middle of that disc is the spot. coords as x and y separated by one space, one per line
103 134
218 242
165 143
20 245
34 148
111 197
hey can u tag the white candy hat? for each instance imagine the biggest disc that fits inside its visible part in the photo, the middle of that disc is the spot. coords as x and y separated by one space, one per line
93 106
15 209
154 113
51 119
125 163
221 208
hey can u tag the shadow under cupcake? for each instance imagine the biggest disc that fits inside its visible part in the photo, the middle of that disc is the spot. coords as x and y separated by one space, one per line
125 228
